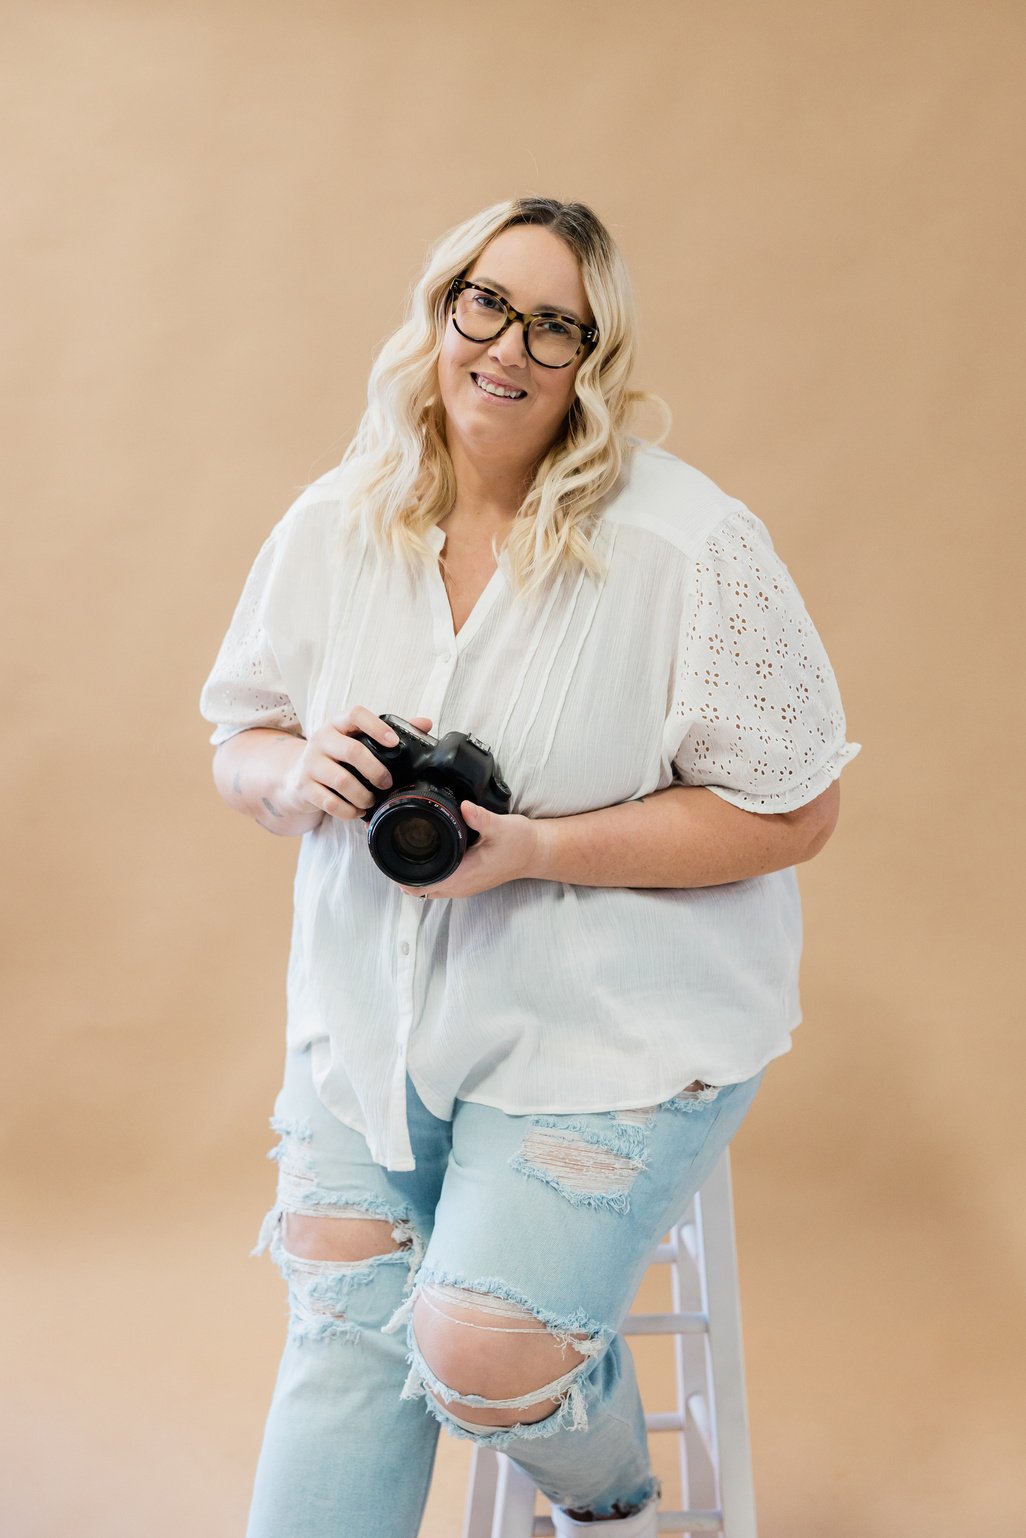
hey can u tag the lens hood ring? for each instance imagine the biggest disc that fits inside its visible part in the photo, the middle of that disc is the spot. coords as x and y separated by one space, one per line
439 856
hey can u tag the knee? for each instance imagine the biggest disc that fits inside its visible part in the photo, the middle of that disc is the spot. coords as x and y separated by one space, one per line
348 1236
478 1344
342 1271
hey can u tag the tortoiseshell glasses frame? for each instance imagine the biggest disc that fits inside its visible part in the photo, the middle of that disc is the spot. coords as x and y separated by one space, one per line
588 334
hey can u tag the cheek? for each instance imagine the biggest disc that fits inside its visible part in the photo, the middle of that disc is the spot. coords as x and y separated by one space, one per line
448 371
454 358
559 397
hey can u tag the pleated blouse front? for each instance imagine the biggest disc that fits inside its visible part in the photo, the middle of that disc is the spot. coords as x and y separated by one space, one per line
693 659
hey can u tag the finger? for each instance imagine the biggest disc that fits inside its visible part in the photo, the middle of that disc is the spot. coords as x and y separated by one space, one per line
359 719
350 755
476 817
332 802
341 782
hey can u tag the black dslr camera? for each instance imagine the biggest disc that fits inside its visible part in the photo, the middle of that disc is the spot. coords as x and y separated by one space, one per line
416 834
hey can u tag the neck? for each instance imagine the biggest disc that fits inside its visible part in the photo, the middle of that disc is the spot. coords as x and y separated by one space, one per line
489 487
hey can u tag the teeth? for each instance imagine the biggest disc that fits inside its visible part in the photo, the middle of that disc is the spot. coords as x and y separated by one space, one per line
491 389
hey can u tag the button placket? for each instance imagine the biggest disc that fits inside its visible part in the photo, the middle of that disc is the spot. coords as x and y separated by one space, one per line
411 912
406 958
433 697
409 921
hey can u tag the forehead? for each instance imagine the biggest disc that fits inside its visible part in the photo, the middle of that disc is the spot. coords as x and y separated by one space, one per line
536 267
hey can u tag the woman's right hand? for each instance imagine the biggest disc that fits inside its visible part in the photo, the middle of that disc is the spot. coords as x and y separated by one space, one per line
319 777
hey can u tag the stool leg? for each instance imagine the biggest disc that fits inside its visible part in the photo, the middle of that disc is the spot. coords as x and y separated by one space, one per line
481 1486
500 1497
697 1455
514 1505
727 1374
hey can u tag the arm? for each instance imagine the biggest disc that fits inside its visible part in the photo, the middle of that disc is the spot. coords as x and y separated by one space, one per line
682 836
288 784
249 772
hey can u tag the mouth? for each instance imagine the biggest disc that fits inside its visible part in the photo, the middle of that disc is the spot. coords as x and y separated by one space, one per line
496 390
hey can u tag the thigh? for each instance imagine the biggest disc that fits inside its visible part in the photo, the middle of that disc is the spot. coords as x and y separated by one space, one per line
561 1213
325 1166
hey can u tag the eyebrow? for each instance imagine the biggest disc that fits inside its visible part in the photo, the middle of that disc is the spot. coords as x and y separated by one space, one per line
560 309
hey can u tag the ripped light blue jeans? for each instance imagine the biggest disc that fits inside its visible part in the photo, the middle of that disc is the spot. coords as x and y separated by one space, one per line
521 1242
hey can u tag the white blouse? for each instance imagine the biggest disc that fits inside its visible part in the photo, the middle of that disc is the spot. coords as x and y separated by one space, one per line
694 660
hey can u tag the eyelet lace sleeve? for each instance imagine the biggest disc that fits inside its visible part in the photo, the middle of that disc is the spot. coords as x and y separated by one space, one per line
763 725
245 687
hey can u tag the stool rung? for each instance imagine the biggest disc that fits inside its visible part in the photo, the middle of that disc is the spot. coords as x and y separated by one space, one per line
669 1522
690 1521
664 1420
666 1324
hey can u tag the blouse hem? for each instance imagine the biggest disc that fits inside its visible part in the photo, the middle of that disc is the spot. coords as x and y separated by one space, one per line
635 1102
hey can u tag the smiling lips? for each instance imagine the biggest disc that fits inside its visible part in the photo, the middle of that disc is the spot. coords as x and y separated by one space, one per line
498 389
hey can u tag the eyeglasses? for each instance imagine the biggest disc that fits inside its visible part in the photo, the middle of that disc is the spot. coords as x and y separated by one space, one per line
481 315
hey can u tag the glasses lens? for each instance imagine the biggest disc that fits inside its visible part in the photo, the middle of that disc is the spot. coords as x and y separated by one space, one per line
479 316
552 341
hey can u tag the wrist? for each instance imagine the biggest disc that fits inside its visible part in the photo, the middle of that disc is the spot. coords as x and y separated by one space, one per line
300 811
301 816
543 852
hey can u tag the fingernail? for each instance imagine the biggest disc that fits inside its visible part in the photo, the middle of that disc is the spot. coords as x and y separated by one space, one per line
391 739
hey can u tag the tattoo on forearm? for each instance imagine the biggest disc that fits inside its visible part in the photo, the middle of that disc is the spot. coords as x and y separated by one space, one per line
271 807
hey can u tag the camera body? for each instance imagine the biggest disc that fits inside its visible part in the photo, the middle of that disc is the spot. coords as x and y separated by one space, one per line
415 832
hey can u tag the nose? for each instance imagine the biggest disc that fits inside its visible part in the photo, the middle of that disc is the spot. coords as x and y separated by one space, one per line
509 349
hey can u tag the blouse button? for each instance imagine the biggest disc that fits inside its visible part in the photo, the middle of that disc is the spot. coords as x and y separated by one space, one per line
405 947
447 656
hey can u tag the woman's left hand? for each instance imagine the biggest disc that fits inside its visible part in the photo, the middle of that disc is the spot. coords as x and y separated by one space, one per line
506 851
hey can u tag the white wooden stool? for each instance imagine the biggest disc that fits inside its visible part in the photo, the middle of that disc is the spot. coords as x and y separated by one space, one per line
711 1418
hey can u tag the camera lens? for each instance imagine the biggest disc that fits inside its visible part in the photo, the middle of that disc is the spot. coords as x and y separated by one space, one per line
416 838
416 835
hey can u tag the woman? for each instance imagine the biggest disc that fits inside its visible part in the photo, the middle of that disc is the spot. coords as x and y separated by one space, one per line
502 1088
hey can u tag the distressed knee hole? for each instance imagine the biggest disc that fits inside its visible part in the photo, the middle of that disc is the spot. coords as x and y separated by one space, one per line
327 1243
313 1214
493 1373
347 1235
319 1294
323 1267
480 1346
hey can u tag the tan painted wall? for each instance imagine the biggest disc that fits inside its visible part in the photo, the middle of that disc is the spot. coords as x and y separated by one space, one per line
214 212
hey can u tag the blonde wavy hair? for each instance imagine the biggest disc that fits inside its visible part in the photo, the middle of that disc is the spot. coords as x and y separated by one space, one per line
397 478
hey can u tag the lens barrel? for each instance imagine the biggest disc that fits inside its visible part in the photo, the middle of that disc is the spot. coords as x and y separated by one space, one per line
416 835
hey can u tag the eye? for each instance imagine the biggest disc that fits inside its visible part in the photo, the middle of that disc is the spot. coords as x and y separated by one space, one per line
485 301
553 326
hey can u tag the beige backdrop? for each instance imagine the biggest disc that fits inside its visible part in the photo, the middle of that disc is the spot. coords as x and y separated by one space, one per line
214 212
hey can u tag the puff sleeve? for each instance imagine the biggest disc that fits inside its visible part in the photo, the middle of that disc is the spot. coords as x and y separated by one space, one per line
756 698
245 687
